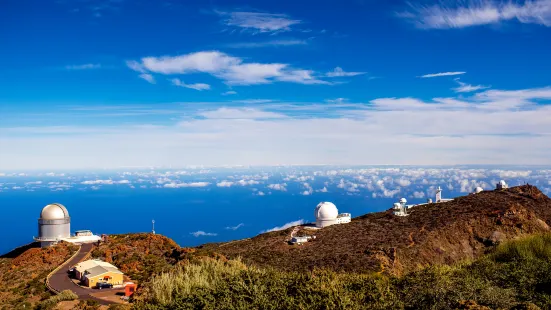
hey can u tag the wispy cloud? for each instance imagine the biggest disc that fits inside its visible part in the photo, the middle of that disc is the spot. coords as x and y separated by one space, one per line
235 227
241 113
466 88
229 92
460 14
284 226
148 77
196 86
233 70
431 75
339 72
258 22
267 43
83 67
201 233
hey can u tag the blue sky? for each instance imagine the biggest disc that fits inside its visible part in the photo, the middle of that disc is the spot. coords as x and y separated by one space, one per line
111 83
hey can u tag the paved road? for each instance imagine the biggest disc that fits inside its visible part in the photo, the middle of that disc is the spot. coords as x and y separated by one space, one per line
61 281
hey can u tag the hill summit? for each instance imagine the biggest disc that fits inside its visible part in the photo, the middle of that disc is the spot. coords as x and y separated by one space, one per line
435 233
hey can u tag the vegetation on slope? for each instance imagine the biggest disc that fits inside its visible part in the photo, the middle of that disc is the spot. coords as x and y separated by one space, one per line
437 233
514 276
23 273
140 256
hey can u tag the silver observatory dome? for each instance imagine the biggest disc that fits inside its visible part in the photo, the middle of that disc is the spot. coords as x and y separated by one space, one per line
54 211
54 224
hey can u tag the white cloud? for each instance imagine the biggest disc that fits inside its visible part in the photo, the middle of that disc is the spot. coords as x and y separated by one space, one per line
403 182
233 70
431 75
242 113
104 182
418 194
323 190
465 88
259 193
285 226
339 72
480 12
83 67
200 233
247 182
268 43
229 92
259 22
148 77
196 86
278 187
480 129
191 184
235 227
224 184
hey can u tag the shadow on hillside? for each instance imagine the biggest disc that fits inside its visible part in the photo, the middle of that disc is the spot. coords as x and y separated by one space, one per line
18 251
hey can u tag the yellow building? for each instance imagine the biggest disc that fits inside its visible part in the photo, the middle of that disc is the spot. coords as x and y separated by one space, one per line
92 272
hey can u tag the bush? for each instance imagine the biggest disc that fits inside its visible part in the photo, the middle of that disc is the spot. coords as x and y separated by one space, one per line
51 302
515 276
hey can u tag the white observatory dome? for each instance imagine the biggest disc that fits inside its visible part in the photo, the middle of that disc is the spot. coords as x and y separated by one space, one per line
54 211
326 211
326 214
403 200
478 190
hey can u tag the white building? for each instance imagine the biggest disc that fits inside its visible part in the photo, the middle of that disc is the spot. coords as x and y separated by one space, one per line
400 208
300 240
502 185
54 225
327 214
439 196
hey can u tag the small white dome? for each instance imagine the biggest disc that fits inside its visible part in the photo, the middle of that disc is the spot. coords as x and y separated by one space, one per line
326 211
478 190
403 200
54 211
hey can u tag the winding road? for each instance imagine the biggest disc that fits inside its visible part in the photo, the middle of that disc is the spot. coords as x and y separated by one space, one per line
60 279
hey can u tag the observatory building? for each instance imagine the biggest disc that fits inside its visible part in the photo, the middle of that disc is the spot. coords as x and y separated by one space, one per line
502 185
401 209
54 225
327 214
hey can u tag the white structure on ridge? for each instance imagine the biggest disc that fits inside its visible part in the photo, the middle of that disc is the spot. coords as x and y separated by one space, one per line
502 185
478 190
54 225
439 196
327 214
400 208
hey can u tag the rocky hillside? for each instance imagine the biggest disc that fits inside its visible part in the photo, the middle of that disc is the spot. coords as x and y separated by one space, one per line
448 232
23 272
141 255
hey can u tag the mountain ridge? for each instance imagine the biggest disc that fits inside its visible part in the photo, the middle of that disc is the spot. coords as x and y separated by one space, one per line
436 233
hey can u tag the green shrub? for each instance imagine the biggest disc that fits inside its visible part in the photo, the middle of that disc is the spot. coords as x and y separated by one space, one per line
51 302
516 275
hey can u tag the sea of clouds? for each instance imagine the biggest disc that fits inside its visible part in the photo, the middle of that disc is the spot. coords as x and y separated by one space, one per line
385 182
